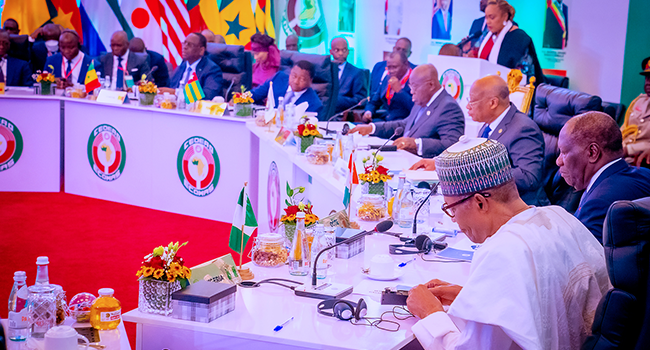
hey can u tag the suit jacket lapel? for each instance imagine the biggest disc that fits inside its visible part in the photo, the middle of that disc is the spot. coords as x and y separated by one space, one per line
199 67
620 165
426 114
130 62
345 76
503 126
108 70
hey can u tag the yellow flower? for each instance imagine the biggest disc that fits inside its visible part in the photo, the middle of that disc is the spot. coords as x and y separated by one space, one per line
158 273
385 178
171 277
176 268
314 132
139 273
187 272
375 178
374 173
38 79
147 271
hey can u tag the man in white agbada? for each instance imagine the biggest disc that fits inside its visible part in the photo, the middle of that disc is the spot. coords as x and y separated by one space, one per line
537 278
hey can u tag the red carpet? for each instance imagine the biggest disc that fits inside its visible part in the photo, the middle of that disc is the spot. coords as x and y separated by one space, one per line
93 243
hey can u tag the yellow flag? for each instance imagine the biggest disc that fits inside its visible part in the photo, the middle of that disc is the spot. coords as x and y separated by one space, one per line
210 13
30 14
237 21
263 19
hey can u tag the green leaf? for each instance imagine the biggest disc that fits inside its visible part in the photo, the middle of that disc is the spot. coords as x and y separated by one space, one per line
287 202
288 189
290 192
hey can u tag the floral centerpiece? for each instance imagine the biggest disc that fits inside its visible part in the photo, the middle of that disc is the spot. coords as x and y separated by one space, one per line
46 80
375 176
148 91
294 206
162 273
243 103
306 133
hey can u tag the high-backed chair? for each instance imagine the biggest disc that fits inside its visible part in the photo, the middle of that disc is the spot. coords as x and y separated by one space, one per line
615 110
236 65
554 106
20 47
556 80
326 77
622 319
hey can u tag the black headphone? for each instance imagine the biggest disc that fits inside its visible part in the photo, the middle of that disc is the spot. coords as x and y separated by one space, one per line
344 310
422 243
75 34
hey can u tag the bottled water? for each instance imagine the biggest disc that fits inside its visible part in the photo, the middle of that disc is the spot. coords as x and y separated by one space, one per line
298 257
406 207
320 242
18 313
42 276
394 202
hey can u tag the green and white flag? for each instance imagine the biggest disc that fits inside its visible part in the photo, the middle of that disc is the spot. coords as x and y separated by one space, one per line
244 223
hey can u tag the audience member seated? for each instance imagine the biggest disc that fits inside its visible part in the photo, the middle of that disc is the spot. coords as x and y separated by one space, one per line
295 88
292 43
46 46
121 62
636 133
394 93
537 278
506 44
219 39
207 72
450 50
267 58
591 151
70 65
435 123
209 35
379 71
13 72
352 85
11 26
156 62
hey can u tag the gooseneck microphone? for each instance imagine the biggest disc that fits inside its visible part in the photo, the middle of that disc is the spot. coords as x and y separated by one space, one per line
327 126
415 217
381 227
398 132
151 72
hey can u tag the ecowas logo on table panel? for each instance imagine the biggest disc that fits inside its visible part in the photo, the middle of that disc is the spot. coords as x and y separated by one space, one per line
452 81
11 144
198 166
106 152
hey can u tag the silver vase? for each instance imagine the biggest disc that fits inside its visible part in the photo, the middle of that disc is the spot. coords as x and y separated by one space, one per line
155 297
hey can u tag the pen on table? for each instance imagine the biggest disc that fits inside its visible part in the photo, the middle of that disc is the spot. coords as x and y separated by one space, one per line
277 328
406 263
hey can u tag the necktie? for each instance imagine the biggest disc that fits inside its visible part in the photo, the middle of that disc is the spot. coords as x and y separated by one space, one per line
485 53
120 74
341 66
288 97
407 132
486 131
188 74
68 70
2 75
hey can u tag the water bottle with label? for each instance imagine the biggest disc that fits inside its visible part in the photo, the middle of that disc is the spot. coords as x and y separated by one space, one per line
320 242
393 203
106 311
18 313
298 261
406 207
107 82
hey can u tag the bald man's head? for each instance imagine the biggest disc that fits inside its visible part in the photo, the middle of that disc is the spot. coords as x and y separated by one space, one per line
119 43
489 97
292 43
69 44
339 50
51 31
137 45
209 35
424 83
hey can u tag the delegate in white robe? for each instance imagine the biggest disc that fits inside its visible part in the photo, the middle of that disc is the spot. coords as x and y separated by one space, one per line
534 284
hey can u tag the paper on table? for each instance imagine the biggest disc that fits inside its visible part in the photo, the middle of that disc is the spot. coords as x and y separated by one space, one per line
421 175
301 109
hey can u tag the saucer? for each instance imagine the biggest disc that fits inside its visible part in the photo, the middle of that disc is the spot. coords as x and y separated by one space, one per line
397 273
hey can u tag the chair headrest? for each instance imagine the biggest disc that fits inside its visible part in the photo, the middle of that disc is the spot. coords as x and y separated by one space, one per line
554 106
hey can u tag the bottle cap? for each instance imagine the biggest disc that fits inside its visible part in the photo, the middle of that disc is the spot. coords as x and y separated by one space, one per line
20 276
300 215
42 260
106 291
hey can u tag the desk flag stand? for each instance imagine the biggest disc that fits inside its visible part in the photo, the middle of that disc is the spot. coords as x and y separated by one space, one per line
243 227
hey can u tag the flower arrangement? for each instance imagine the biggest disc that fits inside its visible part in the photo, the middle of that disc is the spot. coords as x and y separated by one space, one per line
45 79
294 206
164 264
148 91
307 132
243 101
375 175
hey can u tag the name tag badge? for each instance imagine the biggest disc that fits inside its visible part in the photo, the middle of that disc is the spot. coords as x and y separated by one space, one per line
129 81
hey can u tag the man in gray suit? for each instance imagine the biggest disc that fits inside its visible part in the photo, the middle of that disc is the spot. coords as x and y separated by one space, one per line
121 62
435 122
490 104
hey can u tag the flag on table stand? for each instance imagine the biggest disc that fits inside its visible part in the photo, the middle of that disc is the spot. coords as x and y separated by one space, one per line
193 90
244 224
269 112
91 82
352 179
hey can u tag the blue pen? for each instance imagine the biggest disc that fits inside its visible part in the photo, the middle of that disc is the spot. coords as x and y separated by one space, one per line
277 328
406 263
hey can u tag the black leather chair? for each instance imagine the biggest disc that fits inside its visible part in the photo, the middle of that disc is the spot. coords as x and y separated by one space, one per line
326 78
557 80
20 47
615 110
554 106
622 319
236 65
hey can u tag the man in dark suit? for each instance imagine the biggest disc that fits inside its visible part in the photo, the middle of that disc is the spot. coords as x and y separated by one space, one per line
352 85
156 61
435 122
294 88
70 65
379 71
11 26
441 23
13 72
194 61
479 24
591 159
45 46
121 62
556 31
394 93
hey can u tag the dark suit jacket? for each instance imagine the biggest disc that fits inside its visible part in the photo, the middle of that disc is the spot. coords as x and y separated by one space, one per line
438 26
516 44
209 74
18 73
377 74
55 61
553 31
352 87
477 25
136 65
400 104
161 74
525 143
439 127
280 85
618 182
38 55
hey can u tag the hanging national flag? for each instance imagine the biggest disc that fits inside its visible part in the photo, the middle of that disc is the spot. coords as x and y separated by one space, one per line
91 82
30 14
237 21
307 20
244 223
352 179
193 90
264 17
66 13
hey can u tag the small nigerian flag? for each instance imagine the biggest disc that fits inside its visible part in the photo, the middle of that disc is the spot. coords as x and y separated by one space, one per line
91 82
193 90
244 223
353 179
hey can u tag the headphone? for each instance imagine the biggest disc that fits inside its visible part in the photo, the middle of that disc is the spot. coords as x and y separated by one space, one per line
343 309
70 31
422 243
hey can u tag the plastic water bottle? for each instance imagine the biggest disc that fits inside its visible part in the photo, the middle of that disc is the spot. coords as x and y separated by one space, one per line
280 117
107 82
42 276
406 210
330 238
298 257
320 243
18 313
394 202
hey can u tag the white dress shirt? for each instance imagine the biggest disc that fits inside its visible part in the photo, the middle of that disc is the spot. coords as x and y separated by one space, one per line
294 98
114 73
341 68
75 63
496 122
3 66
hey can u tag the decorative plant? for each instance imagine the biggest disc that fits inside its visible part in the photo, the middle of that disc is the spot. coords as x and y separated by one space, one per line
243 97
295 205
307 132
147 87
164 264
43 77
374 173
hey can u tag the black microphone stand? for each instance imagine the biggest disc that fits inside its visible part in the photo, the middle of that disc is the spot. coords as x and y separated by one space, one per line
415 217
327 126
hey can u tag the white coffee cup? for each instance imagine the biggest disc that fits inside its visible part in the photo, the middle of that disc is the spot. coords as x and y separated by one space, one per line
382 265
63 338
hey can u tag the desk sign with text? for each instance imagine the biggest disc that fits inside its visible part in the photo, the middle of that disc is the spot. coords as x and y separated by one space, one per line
112 97
211 108
282 136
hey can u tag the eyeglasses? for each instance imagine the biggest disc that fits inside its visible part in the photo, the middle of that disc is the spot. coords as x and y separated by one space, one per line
452 213
414 87
473 103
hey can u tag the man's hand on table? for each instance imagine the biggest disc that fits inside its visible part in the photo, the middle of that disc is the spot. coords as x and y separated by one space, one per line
422 303
444 291
362 129
62 83
367 117
426 164
407 144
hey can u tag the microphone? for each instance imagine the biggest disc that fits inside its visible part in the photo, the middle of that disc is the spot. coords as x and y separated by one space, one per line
327 131
230 87
397 132
151 72
381 227
469 38
415 217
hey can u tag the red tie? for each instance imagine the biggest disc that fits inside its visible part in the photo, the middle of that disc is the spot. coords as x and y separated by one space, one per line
485 53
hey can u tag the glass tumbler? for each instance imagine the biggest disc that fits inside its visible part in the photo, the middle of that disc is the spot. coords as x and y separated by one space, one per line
41 308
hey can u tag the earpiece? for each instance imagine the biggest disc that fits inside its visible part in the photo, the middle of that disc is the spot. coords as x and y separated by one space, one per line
343 309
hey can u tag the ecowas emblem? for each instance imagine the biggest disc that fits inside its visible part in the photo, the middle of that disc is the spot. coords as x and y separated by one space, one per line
452 81
198 166
11 144
106 152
